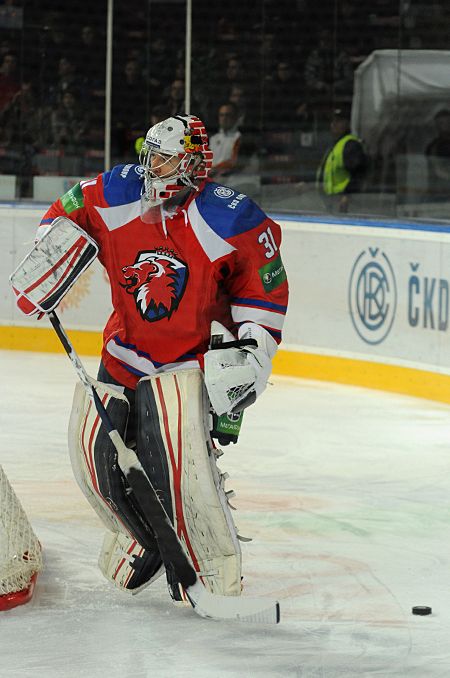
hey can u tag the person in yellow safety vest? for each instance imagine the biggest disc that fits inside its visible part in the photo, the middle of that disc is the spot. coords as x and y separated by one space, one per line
344 165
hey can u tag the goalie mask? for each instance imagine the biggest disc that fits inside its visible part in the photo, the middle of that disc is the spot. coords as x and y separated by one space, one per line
175 154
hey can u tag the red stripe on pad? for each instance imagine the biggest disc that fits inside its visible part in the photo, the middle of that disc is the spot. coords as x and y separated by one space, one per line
176 469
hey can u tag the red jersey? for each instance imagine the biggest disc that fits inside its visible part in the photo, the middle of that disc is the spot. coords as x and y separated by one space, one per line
216 258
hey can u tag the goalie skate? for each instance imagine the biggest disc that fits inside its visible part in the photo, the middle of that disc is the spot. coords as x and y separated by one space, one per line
126 563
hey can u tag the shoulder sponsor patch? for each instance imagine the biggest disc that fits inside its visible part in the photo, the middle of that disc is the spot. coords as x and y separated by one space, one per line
272 274
73 199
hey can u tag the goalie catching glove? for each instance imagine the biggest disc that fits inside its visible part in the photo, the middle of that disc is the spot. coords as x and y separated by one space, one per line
236 371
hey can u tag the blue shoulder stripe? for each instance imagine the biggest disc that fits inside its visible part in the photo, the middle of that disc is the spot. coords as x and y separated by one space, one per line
122 184
259 303
228 212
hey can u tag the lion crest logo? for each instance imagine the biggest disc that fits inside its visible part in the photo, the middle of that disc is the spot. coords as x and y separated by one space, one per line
157 281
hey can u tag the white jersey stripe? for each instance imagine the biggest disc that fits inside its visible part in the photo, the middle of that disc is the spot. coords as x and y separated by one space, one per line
213 245
144 365
115 217
257 315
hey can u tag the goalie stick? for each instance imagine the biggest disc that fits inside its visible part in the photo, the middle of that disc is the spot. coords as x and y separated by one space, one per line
204 603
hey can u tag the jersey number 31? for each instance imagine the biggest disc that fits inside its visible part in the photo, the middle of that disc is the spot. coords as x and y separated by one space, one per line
266 238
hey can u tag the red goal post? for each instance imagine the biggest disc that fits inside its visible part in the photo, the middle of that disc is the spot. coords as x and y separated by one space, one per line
20 550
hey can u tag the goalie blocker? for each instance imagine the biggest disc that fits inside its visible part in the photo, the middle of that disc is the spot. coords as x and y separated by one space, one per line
52 267
176 451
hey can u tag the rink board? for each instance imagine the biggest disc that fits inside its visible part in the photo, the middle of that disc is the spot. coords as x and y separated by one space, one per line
369 302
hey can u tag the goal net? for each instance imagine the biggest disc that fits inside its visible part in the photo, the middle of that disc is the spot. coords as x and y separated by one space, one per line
20 551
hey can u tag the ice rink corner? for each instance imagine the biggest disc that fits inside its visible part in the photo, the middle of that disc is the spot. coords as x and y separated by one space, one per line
346 494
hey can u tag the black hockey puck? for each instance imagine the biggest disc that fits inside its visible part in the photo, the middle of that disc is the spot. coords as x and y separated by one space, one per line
423 610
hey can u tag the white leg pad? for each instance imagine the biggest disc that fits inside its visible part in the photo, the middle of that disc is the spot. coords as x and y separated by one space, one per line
122 560
177 407
84 427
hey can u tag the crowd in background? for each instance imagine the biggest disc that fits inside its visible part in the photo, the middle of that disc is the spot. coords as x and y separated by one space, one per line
280 66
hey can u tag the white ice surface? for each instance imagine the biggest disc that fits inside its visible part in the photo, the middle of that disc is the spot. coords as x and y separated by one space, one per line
346 493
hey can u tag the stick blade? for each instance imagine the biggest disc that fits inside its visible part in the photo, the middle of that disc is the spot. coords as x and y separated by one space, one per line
204 603
235 608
